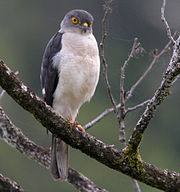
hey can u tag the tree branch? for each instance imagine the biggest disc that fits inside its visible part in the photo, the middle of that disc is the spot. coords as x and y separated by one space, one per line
137 106
122 137
136 185
168 30
107 9
169 78
162 92
124 161
14 137
3 92
155 58
99 117
7 185
122 133
1 95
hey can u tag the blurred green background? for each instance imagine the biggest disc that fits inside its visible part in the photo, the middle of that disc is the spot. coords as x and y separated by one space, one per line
26 27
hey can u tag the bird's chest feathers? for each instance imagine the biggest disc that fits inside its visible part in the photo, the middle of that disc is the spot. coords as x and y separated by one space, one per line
78 66
79 46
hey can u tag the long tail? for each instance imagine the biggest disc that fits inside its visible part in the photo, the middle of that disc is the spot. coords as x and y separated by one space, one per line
59 159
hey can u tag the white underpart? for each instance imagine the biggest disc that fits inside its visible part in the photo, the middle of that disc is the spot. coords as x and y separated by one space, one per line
79 65
43 91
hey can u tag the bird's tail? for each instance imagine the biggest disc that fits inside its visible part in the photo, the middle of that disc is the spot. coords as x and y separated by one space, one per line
59 159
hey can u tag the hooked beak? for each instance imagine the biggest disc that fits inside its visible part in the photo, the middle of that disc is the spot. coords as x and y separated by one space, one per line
84 26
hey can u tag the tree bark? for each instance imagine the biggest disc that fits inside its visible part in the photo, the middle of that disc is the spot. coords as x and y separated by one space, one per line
7 185
15 138
126 161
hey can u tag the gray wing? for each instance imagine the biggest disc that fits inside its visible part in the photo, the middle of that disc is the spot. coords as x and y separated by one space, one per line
49 74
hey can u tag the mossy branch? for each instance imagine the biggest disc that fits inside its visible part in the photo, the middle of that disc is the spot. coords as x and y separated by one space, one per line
106 154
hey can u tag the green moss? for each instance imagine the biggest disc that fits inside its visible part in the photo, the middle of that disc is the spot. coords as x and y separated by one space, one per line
133 161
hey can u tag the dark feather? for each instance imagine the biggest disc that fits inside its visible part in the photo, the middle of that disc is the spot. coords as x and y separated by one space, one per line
49 74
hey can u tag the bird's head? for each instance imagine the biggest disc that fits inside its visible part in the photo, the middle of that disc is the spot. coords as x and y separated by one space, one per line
78 21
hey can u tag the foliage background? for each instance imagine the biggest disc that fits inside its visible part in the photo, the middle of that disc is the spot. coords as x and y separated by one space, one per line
26 27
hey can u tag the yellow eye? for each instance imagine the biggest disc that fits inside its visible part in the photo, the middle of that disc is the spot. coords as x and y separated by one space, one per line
74 20
91 24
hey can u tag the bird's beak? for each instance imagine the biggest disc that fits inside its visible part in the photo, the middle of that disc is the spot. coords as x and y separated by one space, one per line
85 26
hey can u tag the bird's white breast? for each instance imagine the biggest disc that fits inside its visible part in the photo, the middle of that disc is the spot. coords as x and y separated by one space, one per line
78 64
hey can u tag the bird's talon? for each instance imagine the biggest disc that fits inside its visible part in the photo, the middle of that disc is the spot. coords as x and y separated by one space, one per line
76 124
80 128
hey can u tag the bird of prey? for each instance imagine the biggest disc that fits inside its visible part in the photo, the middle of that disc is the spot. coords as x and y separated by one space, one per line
69 76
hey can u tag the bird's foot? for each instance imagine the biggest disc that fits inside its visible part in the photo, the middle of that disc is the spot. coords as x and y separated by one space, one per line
79 127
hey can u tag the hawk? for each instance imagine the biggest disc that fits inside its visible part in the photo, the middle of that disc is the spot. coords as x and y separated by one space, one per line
69 76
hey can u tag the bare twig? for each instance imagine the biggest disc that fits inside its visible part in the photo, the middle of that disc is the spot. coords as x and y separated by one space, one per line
107 9
2 94
136 185
109 110
137 106
122 133
131 55
173 70
122 137
177 78
101 116
156 57
168 30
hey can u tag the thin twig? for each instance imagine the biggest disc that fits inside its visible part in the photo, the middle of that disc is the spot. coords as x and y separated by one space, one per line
177 78
156 57
101 116
1 95
131 55
168 30
172 71
104 35
109 110
122 133
122 137
122 77
136 185
137 106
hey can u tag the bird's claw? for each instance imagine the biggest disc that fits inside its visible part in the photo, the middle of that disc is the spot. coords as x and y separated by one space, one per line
79 127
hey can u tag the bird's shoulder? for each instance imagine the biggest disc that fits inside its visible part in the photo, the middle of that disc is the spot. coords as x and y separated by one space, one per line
54 46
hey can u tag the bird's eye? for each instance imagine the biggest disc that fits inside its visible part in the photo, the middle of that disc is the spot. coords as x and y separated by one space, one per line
91 24
74 20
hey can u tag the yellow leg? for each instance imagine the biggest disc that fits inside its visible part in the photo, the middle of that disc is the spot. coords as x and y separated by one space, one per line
79 127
